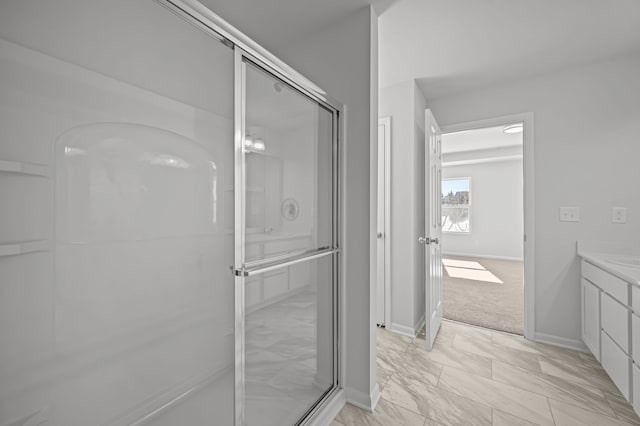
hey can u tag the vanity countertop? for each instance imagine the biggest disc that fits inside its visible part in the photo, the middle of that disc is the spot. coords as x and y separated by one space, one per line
610 263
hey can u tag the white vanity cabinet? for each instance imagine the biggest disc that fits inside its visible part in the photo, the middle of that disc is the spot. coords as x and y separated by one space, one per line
611 329
267 288
591 317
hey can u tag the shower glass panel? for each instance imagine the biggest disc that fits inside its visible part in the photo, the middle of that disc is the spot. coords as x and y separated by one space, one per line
289 175
289 287
117 217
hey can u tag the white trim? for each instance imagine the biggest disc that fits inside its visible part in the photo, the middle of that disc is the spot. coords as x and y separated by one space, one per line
402 329
528 166
421 323
563 342
343 260
480 256
386 123
362 400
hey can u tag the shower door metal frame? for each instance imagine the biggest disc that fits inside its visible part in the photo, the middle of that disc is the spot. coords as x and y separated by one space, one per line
242 268
246 49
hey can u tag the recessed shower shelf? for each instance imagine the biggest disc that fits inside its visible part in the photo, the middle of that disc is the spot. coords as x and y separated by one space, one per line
24 168
23 247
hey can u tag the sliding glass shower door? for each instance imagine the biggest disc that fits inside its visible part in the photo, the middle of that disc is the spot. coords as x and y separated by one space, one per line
116 224
287 248
155 269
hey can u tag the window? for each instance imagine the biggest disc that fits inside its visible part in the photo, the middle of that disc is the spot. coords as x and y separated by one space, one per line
455 205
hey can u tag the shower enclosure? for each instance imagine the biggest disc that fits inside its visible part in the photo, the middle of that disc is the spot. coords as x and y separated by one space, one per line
169 221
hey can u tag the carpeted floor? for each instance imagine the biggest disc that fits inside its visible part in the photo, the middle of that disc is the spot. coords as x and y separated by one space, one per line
484 292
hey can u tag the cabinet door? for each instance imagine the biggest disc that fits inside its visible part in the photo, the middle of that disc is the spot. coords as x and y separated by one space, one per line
614 319
635 336
591 317
636 388
617 364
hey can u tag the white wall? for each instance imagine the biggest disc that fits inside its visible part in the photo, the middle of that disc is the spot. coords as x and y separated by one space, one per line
587 122
342 59
419 301
496 219
405 104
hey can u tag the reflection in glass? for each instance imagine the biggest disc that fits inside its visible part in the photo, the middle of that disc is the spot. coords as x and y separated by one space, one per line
289 209
289 342
288 155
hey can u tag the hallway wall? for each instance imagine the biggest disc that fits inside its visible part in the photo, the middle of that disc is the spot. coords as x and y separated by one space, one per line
587 122
405 104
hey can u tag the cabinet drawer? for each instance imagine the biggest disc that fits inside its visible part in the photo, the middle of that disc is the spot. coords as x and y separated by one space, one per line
616 287
635 338
636 388
615 321
635 296
616 364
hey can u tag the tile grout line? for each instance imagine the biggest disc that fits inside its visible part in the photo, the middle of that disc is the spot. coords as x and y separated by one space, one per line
553 418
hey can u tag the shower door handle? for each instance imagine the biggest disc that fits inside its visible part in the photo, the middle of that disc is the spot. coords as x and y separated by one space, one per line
244 272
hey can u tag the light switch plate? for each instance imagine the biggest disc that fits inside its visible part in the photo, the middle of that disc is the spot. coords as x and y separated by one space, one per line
618 215
569 214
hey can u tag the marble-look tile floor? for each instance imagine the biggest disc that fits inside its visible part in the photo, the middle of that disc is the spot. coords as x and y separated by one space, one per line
281 359
477 376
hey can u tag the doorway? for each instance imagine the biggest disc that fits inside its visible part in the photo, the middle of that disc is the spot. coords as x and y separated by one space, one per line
485 194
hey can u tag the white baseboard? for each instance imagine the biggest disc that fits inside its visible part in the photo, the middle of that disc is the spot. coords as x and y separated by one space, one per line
408 331
402 329
563 342
482 256
329 411
421 323
362 400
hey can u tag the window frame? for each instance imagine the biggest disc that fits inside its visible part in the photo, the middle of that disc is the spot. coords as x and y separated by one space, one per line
468 206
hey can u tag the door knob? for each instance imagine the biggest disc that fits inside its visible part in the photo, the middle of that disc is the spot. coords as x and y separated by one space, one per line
379 235
427 241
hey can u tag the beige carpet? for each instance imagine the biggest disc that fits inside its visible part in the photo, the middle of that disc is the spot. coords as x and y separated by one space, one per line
484 292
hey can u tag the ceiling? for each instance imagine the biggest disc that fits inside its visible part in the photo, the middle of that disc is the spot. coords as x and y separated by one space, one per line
479 139
278 23
452 46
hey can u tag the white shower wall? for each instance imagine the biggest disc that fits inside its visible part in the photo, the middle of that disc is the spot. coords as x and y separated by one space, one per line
116 146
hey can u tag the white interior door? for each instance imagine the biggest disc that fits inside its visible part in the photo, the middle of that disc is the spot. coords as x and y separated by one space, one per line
433 227
383 272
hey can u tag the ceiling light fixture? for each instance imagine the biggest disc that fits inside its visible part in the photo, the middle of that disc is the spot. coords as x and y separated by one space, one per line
254 144
513 128
258 145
